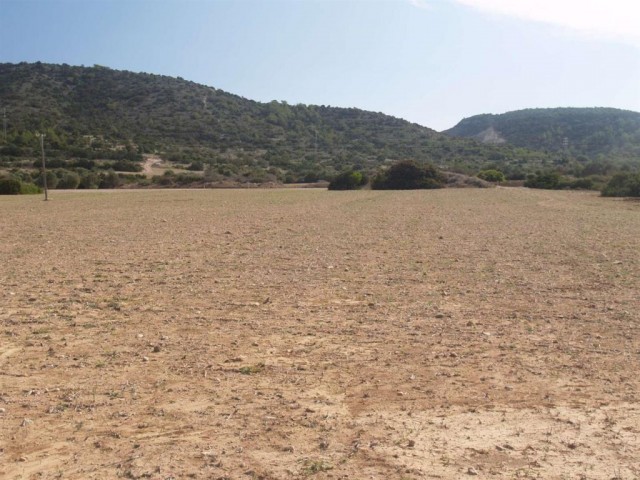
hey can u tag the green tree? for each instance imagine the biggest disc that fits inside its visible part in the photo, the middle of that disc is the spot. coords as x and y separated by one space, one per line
408 175
492 176
9 186
110 180
623 185
52 180
69 181
349 180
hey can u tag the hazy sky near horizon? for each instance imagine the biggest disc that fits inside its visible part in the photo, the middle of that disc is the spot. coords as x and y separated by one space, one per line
432 62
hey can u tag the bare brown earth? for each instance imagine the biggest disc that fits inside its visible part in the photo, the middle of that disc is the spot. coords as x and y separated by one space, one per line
279 334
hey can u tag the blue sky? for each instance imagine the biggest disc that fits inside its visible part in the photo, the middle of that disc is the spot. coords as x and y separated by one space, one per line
432 62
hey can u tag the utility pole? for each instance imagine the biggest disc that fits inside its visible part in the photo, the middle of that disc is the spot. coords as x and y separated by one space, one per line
4 123
44 168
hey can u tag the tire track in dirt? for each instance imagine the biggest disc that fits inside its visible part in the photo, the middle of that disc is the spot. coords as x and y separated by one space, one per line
6 352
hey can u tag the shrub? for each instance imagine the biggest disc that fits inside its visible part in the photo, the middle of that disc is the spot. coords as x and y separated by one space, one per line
89 180
458 180
623 185
492 176
408 175
69 181
126 166
581 184
110 180
350 180
10 186
547 180
29 189
196 166
52 180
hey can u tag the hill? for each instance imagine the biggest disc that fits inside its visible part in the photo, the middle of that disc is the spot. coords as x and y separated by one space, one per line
91 115
605 134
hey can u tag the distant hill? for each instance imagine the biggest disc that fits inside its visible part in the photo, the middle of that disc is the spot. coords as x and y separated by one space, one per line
595 133
96 113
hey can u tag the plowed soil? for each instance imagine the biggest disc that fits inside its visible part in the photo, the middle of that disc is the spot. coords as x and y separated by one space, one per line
254 334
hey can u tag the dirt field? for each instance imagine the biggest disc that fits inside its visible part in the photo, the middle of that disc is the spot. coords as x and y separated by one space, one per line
275 334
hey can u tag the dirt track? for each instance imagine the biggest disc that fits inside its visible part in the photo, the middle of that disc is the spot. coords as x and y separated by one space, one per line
291 334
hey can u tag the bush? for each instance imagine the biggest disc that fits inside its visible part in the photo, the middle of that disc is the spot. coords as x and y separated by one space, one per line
350 180
110 180
546 180
30 189
52 180
89 180
491 176
196 166
126 166
408 175
581 184
69 181
623 185
10 186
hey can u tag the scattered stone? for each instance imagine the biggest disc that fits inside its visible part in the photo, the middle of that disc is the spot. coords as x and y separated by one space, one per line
2 410
140 335
472 471
22 459
26 422
156 348
439 315
145 359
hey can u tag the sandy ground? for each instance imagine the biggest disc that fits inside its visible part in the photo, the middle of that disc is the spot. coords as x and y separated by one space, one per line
253 334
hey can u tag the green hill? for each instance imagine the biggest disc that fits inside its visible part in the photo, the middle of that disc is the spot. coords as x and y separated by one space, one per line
96 117
604 134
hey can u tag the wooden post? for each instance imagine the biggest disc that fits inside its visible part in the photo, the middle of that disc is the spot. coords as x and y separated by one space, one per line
44 169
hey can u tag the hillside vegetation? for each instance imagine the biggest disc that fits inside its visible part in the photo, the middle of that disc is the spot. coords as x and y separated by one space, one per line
96 119
603 134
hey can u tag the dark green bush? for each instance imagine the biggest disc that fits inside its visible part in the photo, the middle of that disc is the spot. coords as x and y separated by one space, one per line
52 180
408 175
126 166
69 181
546 180
10 186
110 180
492 176
89 179
350 180
623 185
581 184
